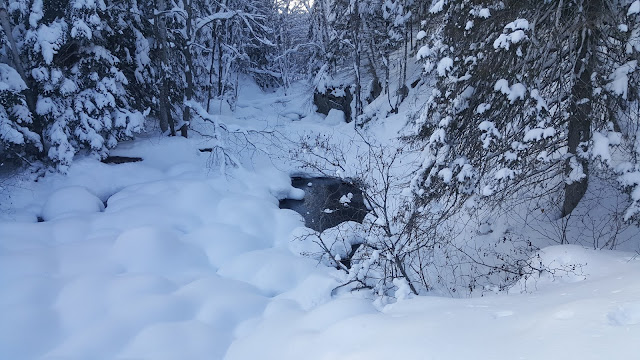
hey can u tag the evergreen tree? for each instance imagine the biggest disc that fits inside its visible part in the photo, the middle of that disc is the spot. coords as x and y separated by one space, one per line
531 98
80 93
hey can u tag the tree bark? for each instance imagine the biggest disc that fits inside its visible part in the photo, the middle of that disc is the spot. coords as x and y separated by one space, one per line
356 43
579 127
164 108
186 114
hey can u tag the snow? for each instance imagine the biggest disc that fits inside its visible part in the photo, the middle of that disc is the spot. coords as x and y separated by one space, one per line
489 133
437 6
81 29
423 52
588 319
335 117
469 25
484 13
175 262
444 65
346 199
73 200
49 38
602 143
36 13
514 92
7 131
634 8
518 24
10 80
482 108
619 80
537 134
185 262
517 34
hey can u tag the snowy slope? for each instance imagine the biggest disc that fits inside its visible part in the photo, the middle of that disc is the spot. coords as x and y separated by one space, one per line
169 259
597 318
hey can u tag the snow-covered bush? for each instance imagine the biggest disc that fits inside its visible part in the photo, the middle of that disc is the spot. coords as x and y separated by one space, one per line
450 251
82 96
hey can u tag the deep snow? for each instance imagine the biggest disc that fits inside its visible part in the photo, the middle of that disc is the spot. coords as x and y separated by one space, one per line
187 263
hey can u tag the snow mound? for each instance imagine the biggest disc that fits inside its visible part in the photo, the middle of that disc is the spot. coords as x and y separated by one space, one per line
566 264
271 270
624 315
72 200
335 117
155 250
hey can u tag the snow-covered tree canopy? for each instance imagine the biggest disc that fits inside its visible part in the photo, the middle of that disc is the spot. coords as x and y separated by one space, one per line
82 75
530 95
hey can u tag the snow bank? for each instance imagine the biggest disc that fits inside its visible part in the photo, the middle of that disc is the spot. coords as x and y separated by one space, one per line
592 316
140 278
73 200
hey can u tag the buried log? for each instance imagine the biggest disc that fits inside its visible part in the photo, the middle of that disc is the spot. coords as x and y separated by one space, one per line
120 159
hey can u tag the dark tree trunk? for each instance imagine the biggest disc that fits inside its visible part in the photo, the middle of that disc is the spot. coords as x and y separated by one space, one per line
356 43
164 108
211 68
579 127
220 63
186 115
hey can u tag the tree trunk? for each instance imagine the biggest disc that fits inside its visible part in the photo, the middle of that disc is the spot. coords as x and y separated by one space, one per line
403 90
212 67
579 127
186 114
220 67
164 108
356 43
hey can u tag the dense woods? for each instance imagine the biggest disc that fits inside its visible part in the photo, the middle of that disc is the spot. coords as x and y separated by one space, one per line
82 75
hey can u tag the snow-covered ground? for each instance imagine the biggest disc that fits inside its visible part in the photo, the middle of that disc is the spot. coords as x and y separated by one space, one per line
169 259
